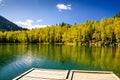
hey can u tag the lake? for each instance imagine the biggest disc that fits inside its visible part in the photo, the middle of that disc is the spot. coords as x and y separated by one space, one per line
18 58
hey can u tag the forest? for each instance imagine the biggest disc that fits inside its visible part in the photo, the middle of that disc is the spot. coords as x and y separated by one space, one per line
98 33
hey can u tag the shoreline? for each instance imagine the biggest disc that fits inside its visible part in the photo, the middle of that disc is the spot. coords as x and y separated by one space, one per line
97 44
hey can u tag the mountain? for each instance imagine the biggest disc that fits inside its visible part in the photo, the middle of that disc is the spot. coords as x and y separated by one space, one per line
6 25
117 14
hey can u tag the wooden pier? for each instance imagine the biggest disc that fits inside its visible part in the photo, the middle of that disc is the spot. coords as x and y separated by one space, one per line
50 74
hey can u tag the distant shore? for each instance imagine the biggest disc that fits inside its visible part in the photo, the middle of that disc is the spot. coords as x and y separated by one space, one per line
90 33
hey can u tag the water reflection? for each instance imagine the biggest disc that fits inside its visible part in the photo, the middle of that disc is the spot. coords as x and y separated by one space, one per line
17 58
104 58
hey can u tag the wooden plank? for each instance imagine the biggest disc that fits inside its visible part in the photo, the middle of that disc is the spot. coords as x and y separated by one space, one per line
93 75
23 74
36 78
43 74
89 76
99 72
49 74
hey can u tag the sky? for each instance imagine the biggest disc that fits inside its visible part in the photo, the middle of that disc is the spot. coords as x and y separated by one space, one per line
39 13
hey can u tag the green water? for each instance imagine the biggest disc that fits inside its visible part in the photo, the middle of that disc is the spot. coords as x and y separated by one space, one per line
17 58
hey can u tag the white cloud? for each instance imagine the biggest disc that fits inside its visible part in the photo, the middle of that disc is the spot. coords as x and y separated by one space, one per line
29 24
39 26
61 7
29 21
26 24
40 20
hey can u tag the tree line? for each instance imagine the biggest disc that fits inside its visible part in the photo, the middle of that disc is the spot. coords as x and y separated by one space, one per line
104 32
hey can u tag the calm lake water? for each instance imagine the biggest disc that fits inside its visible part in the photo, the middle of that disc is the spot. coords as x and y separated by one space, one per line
17 58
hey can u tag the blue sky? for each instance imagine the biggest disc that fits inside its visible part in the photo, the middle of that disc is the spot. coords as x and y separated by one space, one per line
38 13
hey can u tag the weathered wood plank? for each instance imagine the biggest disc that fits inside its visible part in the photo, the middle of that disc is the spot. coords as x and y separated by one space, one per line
36 78
93 75
49 74
43 74
18 77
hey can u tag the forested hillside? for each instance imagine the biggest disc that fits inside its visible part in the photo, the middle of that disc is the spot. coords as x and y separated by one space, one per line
6 25
105 32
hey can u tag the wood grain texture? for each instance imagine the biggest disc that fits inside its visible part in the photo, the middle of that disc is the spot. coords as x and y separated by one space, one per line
50 74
